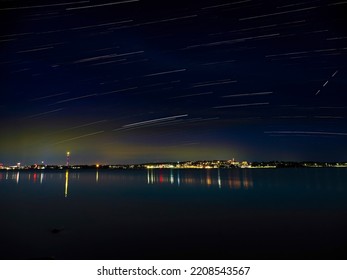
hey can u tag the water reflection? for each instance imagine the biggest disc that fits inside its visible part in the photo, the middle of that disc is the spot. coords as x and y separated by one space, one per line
178 178
171 177
219 180
235 179
19 176
209 178
305 179
66 182
34 177
146 207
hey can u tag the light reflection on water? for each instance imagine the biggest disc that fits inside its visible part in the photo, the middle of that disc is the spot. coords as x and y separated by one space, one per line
175 177
66 182
239 179
234 180
217 213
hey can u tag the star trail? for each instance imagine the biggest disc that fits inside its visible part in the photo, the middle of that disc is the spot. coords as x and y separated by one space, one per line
142 81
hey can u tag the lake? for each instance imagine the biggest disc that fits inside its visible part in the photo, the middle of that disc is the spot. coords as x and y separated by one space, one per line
174 214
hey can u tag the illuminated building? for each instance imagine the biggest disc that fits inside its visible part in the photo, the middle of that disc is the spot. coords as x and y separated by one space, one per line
68 159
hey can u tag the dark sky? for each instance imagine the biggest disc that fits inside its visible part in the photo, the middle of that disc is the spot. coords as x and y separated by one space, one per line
137 81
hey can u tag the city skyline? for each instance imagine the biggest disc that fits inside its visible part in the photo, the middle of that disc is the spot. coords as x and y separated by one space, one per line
179 164
140 81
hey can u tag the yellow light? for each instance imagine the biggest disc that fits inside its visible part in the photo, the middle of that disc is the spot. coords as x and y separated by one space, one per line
97 166
66 182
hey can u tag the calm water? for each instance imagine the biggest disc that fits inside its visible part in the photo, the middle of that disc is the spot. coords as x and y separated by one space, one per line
174 214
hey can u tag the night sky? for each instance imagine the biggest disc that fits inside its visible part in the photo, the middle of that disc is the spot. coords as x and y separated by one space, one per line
137 81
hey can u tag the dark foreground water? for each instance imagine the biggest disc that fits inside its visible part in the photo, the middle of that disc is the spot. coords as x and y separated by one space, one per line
174 214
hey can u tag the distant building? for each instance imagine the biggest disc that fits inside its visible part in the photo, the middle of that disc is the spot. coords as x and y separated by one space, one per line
68 159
